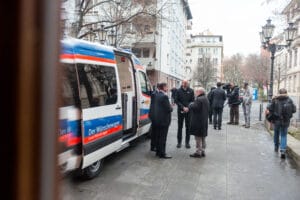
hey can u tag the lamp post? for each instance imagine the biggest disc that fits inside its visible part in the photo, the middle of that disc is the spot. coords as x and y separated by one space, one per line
265 36
102 34
112 38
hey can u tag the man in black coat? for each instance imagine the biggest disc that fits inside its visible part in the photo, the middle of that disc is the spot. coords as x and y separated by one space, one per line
210 114
162 118
217 99
154 134
233 94
184 96
199 121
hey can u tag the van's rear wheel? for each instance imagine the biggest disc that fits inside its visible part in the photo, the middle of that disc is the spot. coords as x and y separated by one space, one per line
93 170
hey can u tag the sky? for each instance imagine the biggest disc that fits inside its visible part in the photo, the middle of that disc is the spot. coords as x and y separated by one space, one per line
239 21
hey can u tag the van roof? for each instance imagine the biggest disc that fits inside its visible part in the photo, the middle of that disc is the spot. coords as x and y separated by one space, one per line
90 50
73 47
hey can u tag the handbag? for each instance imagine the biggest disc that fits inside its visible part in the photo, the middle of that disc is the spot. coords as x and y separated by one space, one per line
271 117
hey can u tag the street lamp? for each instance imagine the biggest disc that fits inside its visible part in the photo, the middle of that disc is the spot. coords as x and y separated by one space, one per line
112 38
290 33
265 36
102 34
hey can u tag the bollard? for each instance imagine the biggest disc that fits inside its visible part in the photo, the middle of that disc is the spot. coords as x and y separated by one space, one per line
260 111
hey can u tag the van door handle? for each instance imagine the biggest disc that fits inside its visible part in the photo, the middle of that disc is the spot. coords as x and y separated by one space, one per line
118 107
143 101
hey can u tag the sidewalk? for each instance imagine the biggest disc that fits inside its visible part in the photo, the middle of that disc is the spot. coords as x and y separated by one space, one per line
240 165
293 145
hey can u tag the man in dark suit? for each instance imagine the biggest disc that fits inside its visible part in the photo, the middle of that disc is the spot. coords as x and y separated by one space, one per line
210 113
154 134
217 99
162 118
184 96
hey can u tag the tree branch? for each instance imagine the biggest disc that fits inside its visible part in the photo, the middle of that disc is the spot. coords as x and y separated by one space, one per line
87 9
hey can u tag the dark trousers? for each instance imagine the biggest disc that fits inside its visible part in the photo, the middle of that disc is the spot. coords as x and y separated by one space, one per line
162 139
154 136
234 114
218 117
181 118
210 114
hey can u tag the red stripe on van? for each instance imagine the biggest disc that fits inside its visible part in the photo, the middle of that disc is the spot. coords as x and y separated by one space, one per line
102 134
145 116
84 57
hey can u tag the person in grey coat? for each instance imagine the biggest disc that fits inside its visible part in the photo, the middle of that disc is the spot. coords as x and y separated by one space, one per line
199 121
247 102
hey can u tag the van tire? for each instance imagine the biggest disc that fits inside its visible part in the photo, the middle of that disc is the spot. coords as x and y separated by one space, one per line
93 170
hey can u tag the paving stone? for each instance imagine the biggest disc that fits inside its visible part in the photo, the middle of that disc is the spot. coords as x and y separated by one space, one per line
240 165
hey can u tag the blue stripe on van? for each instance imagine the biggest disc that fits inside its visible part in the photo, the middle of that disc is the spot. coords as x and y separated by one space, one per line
88 49
94 127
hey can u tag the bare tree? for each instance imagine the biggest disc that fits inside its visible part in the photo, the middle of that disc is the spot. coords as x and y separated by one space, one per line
205 73
257 69
232 69
117 15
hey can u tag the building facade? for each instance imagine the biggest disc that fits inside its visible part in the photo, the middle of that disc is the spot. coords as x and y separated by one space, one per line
157 37
205 50
163 48
292 75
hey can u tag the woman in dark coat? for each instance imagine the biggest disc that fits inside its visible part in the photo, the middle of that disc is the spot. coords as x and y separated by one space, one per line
199 110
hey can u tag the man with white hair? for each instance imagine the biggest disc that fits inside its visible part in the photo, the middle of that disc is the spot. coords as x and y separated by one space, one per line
199 110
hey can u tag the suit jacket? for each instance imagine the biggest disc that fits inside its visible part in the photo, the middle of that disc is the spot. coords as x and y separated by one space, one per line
162 109
183 98
217 98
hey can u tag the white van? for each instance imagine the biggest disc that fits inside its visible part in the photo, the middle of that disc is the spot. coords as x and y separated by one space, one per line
106 101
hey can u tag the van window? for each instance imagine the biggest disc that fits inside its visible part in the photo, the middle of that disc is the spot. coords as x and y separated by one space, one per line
125 73
145 84
69 87
98 85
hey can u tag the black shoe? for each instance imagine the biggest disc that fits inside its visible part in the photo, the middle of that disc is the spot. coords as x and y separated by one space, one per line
203 154
282 156
178 146
195 155
215 128
244 125
229 123
235 123
166 156
188 146
219 128
153 149
276 149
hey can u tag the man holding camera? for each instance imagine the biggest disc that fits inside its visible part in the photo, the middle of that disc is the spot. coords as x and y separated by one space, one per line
233 92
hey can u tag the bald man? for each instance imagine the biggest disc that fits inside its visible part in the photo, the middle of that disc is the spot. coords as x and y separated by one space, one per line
184 96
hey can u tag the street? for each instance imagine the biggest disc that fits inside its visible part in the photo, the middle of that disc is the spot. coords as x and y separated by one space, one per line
240 164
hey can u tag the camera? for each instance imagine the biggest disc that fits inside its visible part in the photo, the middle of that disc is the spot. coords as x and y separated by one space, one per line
226 86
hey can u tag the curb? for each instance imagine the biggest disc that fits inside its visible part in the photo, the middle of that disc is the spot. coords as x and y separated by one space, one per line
293 145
